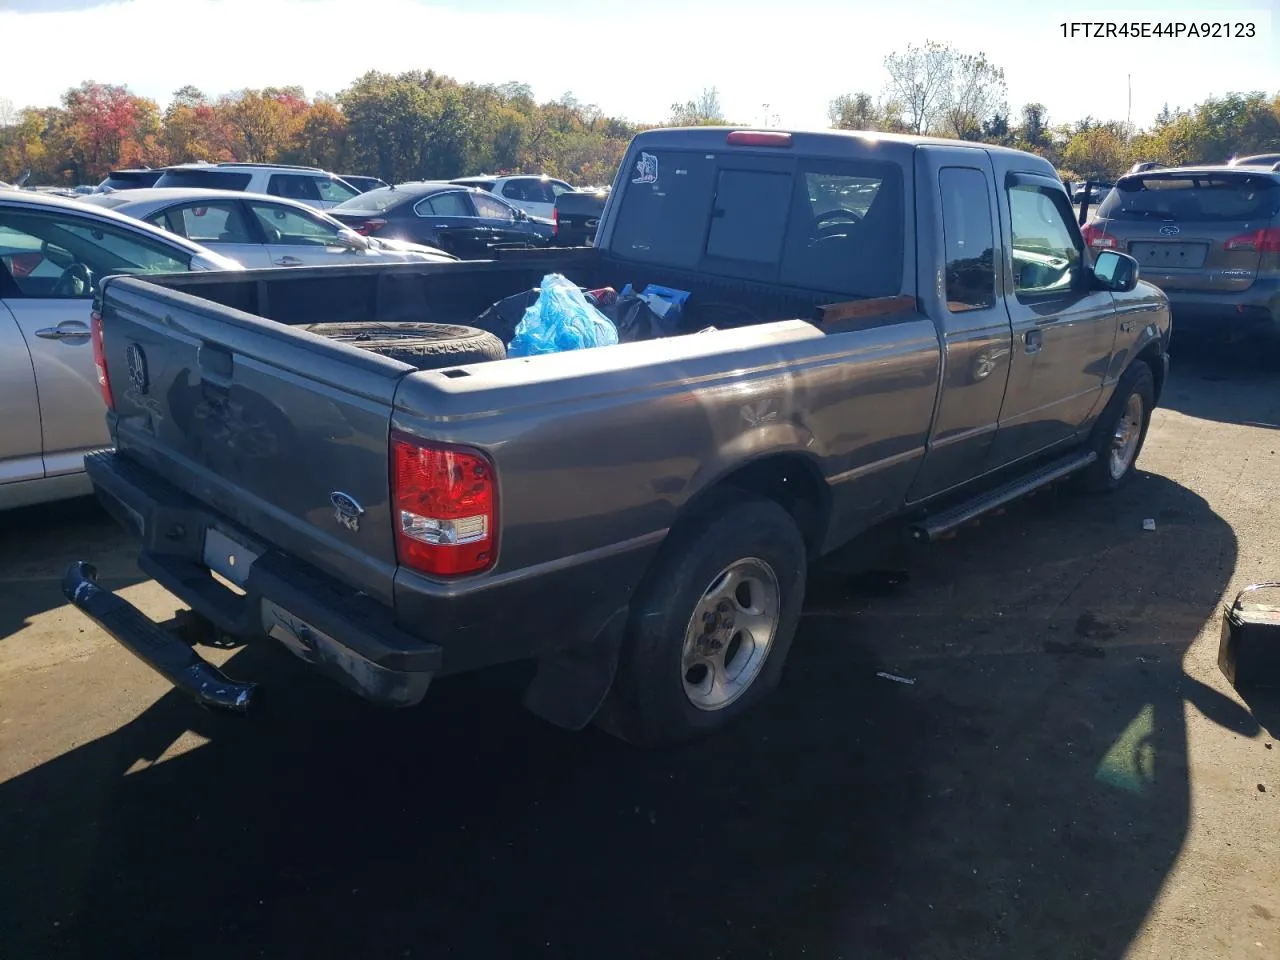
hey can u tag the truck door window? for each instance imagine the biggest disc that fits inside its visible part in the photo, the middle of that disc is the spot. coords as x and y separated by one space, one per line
749 218
1046 254
968 238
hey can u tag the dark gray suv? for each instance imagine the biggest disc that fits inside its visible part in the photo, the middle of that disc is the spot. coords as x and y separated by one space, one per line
1208 236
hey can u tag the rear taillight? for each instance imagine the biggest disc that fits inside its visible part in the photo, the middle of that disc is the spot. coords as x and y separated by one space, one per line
555 223
100 358
445 503
369 227
1097 237
1265 240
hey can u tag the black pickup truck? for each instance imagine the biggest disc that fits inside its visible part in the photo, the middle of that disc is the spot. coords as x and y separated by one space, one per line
905 330
577 216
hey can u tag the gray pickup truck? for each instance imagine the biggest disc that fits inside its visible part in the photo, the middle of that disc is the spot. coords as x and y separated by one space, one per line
905 329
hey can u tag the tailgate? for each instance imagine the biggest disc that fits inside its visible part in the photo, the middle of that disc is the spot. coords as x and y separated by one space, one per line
270 426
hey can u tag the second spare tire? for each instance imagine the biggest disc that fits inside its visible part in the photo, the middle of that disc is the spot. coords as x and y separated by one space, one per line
426 346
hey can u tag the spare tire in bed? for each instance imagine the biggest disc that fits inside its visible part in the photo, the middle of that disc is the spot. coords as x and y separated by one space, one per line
427 346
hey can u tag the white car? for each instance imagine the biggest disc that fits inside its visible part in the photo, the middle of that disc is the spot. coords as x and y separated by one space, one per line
310 185
258 231
53 253
534 195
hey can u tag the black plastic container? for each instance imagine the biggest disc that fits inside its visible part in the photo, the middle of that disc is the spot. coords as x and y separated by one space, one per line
1249 652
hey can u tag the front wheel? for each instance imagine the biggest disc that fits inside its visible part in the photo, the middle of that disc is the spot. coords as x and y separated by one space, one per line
1122 430
711 630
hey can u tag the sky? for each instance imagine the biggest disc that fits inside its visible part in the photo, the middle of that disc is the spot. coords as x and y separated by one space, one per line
634 58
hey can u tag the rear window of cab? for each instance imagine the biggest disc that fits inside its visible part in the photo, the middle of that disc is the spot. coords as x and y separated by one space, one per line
830 225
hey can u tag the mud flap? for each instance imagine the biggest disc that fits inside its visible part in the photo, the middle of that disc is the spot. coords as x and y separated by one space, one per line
571 685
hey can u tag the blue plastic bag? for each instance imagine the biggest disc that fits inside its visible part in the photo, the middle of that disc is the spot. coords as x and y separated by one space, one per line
560 319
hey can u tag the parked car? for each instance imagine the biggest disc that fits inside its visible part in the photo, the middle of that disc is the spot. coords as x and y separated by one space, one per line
1258 160
53 255
1208 236
258 231
363 184
534 195
906 329
309 185
135 179
466 222
1093 193
576 216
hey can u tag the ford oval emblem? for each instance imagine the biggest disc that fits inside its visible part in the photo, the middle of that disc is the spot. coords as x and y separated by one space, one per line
346 510
1169 230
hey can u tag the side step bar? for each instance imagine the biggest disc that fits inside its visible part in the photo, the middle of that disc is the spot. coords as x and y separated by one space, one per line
153 645
932 527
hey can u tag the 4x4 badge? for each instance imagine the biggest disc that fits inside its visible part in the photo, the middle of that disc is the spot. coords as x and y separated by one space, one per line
346 510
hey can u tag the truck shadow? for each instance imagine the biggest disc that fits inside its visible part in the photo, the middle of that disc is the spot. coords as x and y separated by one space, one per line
1025 795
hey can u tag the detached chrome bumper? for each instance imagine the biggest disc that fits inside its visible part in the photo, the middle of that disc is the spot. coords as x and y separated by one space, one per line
153 645
342 634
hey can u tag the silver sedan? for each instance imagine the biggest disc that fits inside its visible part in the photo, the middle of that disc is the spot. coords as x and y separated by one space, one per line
258 231
53 254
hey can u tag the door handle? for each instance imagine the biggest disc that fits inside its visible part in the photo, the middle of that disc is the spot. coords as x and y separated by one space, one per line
287 262
1033 340
67 330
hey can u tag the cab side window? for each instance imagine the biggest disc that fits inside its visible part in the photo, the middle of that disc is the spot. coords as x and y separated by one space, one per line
1046 252
968 238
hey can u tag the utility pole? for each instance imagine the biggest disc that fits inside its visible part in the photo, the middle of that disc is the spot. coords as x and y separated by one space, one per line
766 113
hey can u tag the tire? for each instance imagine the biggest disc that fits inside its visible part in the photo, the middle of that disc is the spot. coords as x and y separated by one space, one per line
1112 469
427 346
656 698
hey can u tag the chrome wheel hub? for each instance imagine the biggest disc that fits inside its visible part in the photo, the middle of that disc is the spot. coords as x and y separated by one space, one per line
730 633
1124 442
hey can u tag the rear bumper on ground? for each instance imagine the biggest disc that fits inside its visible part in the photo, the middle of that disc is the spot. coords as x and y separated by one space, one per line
343 634
1255 310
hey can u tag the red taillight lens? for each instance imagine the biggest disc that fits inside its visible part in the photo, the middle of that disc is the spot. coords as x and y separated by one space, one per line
445 504
759 138
100 359
555 223
1095 236
369 227
1266 240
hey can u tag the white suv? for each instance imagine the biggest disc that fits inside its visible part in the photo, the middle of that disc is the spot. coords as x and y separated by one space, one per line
534 195
309 185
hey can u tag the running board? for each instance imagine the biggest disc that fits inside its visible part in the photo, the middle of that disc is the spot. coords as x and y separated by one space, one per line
932 527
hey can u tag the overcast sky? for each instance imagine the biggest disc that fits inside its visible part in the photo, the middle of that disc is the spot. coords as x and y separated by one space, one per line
632 58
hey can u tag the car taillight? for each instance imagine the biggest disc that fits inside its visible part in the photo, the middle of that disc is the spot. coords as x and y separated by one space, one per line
1097 237
369 227
555 223
446 507
1265 240
100 359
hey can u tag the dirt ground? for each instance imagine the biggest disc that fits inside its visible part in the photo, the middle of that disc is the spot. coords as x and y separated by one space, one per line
1069 775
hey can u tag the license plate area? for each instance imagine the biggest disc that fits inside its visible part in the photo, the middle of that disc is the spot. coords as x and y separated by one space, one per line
1169 256
228 557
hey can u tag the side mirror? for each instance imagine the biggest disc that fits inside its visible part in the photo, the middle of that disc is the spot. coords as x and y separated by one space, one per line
352 240
1115 271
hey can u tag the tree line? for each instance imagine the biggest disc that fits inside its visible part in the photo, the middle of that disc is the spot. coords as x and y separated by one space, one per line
424 125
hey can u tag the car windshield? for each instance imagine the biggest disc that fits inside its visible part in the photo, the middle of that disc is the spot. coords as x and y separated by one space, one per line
375 201
204 179
1193 197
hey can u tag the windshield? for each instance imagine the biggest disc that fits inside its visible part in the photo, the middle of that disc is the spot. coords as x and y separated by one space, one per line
375 201
819 224
204 179
1193 197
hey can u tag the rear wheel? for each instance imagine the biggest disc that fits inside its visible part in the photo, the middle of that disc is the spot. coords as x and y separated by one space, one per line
427 346
1122 430
711 630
